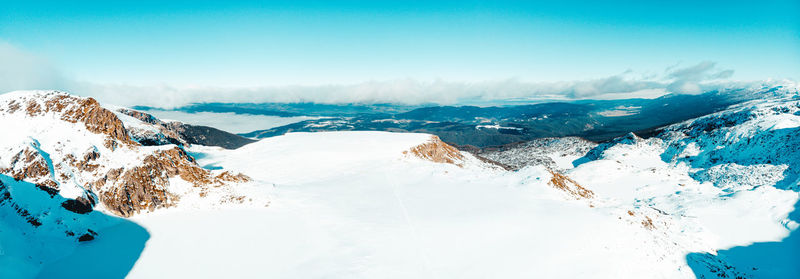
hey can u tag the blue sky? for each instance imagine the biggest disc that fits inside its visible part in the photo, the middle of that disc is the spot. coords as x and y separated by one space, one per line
311 43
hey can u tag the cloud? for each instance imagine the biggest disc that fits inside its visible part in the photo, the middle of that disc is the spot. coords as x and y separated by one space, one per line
22 70
689 80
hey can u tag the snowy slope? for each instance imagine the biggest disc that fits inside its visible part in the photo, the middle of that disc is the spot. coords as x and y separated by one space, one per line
68 166
352 204
713 197
728 181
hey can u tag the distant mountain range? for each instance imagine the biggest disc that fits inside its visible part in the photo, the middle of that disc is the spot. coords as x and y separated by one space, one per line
595 120
714 196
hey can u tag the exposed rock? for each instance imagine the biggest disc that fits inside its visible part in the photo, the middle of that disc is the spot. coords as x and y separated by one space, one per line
6 199
204 135
182 134
436 150
86 237
80 205
50 189
144 117
158 134
29 165
86 110
13 106
568 185
126 181
144 187
230 177
647 223
535 152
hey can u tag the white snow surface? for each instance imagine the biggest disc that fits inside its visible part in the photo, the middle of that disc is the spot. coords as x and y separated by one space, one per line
711 197
352 205
45 248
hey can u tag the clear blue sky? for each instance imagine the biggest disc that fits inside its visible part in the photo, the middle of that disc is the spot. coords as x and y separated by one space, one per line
320 42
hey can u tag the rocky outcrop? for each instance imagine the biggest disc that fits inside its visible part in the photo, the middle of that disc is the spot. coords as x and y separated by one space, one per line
566 184
28 164
159 132
85 110
208 136
145 187
80 205
79 171
182 134
435 150
536 152
7 200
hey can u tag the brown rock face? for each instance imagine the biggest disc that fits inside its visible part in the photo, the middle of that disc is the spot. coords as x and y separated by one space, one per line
182 134
168 130
126 181
568 185
144 117
80 205
144 187
31 166
97 120
436 150
86 110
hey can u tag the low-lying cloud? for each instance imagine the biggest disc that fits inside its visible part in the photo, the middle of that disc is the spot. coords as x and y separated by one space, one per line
23 70
20 70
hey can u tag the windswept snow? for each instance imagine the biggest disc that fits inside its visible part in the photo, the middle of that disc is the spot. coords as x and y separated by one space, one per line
715 196
351 204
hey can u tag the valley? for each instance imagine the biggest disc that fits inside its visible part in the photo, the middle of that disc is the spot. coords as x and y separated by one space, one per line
709 197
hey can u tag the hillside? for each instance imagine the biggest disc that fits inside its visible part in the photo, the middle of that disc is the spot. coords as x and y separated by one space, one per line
595 120
93 191
69 165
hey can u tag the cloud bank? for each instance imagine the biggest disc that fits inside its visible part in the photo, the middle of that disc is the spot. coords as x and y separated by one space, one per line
20 70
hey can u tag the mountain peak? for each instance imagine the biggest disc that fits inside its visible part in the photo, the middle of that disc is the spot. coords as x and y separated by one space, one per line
69 108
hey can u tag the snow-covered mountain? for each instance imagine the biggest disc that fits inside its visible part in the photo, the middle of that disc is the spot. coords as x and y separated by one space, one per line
67 164
554 153
711 197
717 183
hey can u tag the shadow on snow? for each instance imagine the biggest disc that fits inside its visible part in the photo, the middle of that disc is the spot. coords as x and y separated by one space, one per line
39 237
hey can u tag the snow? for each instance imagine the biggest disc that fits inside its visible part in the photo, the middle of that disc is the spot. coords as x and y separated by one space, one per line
131 122
636 175
298 157
555 153
564 161
497 127
46 242
620 111
351 204
709 197
396 217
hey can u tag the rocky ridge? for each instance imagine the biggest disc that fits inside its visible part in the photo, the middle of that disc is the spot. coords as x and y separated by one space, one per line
553 153
82 157
149 130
